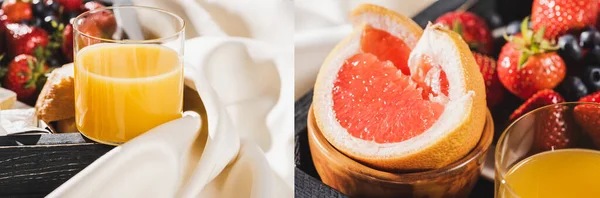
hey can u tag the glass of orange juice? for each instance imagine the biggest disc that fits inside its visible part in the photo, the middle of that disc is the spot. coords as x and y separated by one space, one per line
549 153
128 71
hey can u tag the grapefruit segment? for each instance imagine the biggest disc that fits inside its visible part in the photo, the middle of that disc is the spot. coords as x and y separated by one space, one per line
386 47
369 108
363 82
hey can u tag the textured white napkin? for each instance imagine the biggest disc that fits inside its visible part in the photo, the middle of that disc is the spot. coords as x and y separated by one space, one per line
239 59
320 25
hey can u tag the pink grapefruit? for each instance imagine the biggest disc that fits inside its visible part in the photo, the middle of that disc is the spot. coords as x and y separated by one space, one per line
396 97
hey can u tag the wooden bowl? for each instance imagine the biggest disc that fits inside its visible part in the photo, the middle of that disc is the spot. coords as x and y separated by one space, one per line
357 180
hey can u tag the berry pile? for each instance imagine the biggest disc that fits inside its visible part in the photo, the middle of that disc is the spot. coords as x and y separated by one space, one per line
35 37
552 58
582 54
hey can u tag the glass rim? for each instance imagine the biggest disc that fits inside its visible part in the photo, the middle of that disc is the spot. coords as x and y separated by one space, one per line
505 132
485 142
178 32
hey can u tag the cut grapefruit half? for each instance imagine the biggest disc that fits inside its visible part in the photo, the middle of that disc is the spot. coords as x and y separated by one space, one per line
398 98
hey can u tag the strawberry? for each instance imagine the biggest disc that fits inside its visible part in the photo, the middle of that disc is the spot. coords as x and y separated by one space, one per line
100 24
22 39
554 129
67 42
92 5
560 16
22 76
493 88
594 97
527 63
588 117
16 10
540 99
471 27
71 5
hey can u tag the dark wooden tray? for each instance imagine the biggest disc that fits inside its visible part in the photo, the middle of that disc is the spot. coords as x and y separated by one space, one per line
307 182
35 165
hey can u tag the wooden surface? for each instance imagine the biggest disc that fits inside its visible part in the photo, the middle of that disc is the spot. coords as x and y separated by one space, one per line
40 163
34 165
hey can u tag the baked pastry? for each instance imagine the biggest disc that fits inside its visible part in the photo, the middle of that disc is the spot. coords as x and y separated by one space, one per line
66 126
56 100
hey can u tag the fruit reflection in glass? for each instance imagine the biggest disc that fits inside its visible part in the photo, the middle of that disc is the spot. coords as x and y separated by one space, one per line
551 152
128 71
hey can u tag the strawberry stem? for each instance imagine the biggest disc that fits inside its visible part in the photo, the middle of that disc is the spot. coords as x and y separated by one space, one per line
530 43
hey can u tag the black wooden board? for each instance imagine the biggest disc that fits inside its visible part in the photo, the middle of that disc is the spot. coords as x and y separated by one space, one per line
307 182
34 165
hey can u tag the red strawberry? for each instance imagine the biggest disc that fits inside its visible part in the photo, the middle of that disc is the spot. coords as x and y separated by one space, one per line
493 88
560 16
588 117
22 39
22 75
71 5
92 5
540 99
99 24
471 27
67 42
594 97
16 10
554 129
527 63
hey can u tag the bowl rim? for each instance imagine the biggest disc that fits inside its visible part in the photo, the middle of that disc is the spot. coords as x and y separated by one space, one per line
360 170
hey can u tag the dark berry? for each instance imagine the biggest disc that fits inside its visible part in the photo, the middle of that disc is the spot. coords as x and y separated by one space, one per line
593 56
588 38
569 47
50 23
53 5
36 22
53 61
591 77
38 7
68 17
572 88
513 28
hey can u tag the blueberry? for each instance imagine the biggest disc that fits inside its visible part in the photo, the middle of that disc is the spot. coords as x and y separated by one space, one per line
588 38
572 88
569 47
591 77
38 7
53 61
53 5
593 56
513 28
36 22
68 17
50 23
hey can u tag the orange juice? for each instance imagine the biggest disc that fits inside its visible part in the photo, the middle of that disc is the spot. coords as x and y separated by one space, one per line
560 173
124 90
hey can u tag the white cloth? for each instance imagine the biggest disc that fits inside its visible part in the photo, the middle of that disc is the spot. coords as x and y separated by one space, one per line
239 58
320 25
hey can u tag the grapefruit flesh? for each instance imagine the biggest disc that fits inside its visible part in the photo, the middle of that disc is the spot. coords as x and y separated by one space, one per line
386 47
387 106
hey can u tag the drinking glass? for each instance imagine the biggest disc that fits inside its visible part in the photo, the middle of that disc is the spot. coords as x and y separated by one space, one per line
128 71
517 145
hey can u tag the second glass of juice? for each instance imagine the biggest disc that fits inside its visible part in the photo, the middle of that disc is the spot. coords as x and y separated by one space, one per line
547 153
128 71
